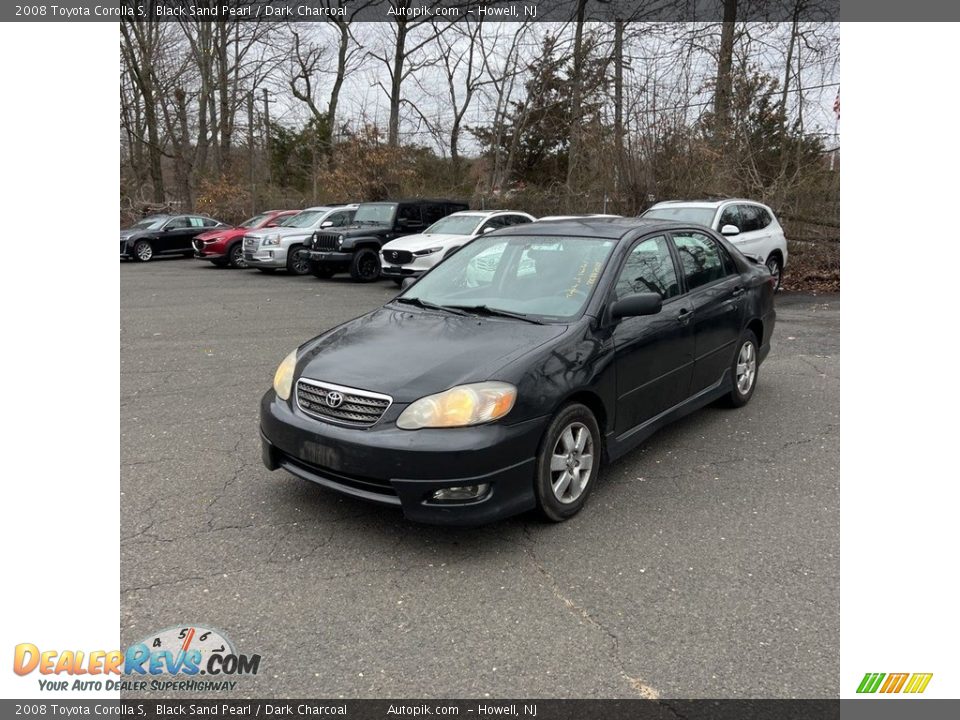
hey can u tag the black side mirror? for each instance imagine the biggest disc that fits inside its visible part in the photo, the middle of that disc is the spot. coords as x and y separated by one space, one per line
635 305
407 282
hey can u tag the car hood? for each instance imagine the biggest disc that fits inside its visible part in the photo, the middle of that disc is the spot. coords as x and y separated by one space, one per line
281 231
423 241
127 234
411 353
219 234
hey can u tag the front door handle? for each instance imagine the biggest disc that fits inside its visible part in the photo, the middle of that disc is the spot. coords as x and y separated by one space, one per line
684 316
737 291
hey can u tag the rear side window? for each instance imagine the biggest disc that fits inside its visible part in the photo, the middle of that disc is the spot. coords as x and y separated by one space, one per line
753 218
701 259
410 213
432 213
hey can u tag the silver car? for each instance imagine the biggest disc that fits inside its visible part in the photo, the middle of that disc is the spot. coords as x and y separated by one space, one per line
280 248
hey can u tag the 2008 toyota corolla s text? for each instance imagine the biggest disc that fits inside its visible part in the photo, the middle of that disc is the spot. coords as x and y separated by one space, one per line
503 378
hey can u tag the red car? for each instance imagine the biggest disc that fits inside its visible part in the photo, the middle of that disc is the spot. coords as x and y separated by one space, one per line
225 246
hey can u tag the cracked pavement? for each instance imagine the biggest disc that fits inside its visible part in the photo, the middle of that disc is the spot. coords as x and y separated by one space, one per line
706 563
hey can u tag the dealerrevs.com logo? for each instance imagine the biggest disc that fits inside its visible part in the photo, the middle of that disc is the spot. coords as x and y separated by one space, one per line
910 683
172 659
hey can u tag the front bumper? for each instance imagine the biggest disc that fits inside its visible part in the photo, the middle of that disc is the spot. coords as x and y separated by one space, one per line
403 468
325 256
274 256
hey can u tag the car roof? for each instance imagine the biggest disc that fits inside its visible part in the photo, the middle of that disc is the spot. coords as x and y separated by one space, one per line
600 228
709 203
326 208
486 213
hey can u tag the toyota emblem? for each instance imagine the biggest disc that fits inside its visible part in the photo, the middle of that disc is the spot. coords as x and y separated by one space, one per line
334 399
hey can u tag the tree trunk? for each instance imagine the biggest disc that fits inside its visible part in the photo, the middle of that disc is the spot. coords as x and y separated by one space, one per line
576 96
724 89
396 77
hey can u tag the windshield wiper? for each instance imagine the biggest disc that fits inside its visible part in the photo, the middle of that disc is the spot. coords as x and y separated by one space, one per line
495 312
429 305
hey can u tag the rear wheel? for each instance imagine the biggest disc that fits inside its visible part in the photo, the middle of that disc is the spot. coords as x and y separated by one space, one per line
746 364
235 256
297 261
322 270
568 463
775 266
365 265
143 251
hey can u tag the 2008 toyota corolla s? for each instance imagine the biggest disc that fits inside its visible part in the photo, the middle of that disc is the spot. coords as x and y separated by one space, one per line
503 378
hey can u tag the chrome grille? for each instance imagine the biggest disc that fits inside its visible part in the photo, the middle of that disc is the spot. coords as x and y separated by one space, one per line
398 257
342 405
250 244
324 241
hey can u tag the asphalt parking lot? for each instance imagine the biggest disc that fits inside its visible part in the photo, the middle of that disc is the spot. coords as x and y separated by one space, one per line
706 563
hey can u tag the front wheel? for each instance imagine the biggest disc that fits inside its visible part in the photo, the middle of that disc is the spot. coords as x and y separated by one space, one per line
143 251
365 265
235 256
745 367
297 261
568 463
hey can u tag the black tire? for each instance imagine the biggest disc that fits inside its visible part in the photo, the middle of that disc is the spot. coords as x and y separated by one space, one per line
365 265
397 281
321 270
267 271
738 397
142 251
775 266
235 256
219 262
575 417
297 264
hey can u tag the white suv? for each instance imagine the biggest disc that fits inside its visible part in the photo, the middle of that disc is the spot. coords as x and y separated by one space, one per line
752 227
413 255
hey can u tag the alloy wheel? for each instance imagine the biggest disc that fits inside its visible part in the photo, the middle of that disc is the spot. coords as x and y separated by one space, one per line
571 465
236 257
301 263
144 251
746 367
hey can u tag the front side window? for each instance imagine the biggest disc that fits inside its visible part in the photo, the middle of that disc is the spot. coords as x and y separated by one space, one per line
649 269
340 219
409 214
150 223
454 225
686 214
545 276
432 213
255 221
729 216
178 223
700 258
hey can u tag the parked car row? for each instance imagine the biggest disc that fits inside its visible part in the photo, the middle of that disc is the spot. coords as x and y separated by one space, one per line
405 239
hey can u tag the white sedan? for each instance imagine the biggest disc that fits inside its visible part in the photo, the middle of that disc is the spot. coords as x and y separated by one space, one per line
413 255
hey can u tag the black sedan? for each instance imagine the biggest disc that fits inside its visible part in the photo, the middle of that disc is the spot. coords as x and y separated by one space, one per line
164 235
502 379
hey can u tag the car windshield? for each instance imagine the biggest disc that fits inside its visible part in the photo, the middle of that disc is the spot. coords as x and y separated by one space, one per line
545 277
150 223
377 213
305 219
697 215
254 221
455 225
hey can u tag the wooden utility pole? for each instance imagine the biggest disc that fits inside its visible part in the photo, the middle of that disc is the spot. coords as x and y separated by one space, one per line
253 174
266 135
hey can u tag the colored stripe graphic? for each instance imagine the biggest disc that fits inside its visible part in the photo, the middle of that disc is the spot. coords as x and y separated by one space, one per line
894 682
918 682
870 682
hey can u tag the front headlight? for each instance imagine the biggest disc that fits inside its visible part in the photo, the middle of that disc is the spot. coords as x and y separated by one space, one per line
460 406
339 240
428 251
272 239
283 377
